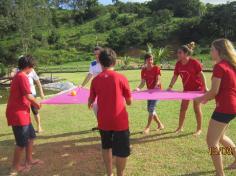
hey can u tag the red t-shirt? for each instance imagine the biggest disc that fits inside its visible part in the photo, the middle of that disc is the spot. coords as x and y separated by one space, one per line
226 98
150 76
110 88
190 75
18 107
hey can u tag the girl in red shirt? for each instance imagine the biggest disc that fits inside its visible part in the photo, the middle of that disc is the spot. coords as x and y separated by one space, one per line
223 90
190 71
151 76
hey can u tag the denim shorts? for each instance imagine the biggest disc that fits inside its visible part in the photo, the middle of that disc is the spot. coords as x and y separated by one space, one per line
151 106
23 134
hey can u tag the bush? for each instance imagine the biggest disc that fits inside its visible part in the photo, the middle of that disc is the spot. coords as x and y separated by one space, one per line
100 26
53 37
2 70
38 36
125 20
164 15
114 15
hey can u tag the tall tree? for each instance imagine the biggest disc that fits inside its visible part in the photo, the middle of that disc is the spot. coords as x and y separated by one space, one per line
30 16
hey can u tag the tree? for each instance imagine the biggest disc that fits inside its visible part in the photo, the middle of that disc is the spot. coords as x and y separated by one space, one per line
115 40
163 16
53 37
29 16
133 37
181 8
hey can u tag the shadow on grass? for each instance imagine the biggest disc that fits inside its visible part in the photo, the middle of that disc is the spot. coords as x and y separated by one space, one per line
157 137
41 136
62 158
200 173
6 134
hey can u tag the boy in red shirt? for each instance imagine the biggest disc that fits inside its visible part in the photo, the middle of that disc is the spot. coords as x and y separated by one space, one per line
18 115
111 90
151 75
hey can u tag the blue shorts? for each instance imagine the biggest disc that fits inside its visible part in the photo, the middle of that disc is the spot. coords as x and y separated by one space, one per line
151 106
23 134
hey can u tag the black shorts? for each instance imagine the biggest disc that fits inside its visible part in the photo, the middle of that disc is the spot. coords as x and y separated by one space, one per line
23 134
118 141
223 118
34 110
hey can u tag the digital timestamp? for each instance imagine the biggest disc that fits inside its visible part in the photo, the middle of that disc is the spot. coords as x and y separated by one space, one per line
222 150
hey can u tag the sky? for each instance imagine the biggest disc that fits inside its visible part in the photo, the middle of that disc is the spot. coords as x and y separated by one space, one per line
206 1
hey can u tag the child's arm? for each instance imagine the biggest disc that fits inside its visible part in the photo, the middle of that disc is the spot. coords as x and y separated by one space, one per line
204 81
215 86
92 96
40 89
158 82
90 103
33 101
173 81
141 85
128 101
86 80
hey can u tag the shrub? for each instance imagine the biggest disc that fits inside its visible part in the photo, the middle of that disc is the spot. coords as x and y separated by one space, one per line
38 36
2 70
114 15
53 37
125 20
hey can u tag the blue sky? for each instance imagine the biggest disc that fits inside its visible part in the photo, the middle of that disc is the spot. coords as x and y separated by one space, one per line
206 1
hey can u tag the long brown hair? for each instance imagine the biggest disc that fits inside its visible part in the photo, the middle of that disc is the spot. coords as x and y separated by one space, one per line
226 50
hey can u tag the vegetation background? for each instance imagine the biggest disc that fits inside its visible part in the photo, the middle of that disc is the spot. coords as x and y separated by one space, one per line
59 32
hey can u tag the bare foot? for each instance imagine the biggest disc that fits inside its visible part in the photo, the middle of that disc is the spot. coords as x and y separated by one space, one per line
21 168
232 166
160 127
146 131
197 133
179 130
35 162
40 130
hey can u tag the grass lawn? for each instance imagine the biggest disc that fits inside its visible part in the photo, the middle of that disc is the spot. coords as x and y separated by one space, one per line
68 147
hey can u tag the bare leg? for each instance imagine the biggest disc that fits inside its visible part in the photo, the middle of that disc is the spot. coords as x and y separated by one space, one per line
29 158
158 121
120 165
16 166
182 114
147 128
215 132
107 158
228 143
198 113
38 121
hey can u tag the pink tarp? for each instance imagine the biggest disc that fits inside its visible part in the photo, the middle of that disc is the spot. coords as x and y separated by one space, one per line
83 94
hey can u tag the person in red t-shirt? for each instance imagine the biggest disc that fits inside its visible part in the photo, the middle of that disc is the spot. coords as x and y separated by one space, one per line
190 71
223 89
151 75
18 115
111 90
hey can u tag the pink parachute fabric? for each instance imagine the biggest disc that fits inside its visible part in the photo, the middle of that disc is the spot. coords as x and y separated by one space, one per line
82 95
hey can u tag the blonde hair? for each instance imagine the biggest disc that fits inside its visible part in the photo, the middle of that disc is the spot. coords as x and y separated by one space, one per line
189 48
226 50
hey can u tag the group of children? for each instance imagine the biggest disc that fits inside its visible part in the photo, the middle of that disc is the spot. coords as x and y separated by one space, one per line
110 89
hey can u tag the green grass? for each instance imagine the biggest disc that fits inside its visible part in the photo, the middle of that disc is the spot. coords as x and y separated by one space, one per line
69 148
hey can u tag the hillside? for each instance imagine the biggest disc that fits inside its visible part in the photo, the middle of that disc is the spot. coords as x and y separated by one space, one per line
70 35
